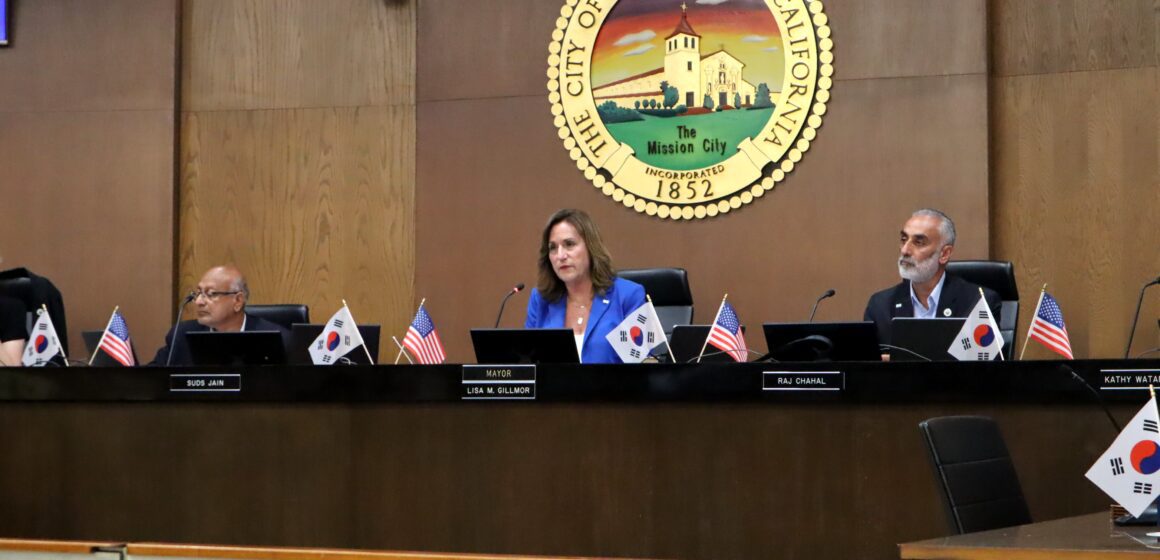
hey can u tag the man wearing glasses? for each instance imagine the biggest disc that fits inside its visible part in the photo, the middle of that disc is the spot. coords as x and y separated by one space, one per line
220 301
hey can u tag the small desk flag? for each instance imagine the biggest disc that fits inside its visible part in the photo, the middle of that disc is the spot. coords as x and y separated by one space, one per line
422 339
637 334
979 339
43 343
726 334
338 338
115 341
1047 327
1129 471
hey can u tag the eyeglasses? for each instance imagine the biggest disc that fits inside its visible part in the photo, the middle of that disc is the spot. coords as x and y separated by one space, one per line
211 295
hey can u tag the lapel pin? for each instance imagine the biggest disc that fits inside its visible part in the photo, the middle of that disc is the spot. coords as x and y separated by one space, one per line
947 312
897 305
605 302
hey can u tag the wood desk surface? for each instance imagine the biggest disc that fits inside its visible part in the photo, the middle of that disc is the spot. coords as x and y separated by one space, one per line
1074 538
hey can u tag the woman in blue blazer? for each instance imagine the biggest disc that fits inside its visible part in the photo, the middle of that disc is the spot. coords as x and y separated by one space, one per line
577 288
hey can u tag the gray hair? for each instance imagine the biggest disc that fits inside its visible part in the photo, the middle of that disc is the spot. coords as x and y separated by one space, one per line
239 285
946 226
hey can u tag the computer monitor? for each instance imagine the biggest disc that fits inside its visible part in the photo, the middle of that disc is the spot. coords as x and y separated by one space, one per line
302 335
852 341
688 340
923 339
215 348
524 346
102 359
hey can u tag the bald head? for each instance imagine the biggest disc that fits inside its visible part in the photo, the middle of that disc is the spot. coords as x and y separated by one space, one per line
221 302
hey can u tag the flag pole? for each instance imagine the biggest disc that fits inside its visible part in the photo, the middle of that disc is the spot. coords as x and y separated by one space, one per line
103 334
370 360
402 351
715 317
991 319
667 346
65 356
1027 335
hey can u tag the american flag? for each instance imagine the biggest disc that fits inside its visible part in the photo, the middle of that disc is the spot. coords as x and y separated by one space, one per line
422 340
726 334
1048 327
115 341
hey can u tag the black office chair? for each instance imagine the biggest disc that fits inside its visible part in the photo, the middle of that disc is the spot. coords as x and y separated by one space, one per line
998 276
284 314
34 291
976 477
669 289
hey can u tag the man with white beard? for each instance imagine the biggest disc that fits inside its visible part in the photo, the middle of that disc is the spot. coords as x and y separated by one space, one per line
926 291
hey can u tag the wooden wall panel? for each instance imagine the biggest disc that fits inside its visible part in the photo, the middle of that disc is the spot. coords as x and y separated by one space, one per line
889 145
314 205
94 214
87 120
1053 36
297 156
263 54
78 55
895 38
1076 162
1077 179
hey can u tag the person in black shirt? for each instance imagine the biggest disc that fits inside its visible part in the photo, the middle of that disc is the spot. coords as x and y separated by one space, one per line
13 332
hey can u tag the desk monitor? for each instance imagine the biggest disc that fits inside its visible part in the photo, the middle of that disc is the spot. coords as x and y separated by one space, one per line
928 338
102 359
854 341
524 346
302 335
213 348
687 341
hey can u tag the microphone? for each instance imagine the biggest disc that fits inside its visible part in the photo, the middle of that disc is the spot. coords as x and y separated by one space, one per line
1099 399
173 341
515 290
1136 317
829 293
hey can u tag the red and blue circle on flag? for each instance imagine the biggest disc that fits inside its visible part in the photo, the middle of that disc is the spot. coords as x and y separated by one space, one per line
332 340
1146 457
984 335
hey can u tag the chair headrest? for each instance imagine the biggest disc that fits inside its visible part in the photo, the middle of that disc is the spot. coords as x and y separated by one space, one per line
666 286
996 275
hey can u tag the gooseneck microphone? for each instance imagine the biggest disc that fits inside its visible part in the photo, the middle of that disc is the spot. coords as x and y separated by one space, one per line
173 341
1136 317
1099 398
515 290
828 294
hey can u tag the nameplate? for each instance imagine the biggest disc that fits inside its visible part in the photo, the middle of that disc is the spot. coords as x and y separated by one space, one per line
1128 379
803 380
499 382
205 382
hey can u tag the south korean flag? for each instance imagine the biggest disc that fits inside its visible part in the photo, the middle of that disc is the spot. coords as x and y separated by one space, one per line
1129 471
340 336
43 343
637 334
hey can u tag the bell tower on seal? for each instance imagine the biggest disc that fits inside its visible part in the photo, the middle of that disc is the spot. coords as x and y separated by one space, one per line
683 61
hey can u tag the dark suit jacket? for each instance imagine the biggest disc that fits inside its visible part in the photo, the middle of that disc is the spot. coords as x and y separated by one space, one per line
958 295
181 355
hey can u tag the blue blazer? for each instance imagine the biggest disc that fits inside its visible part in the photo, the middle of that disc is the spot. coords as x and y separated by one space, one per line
608 310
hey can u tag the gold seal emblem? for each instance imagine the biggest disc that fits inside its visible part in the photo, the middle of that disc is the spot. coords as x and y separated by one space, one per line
683 111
